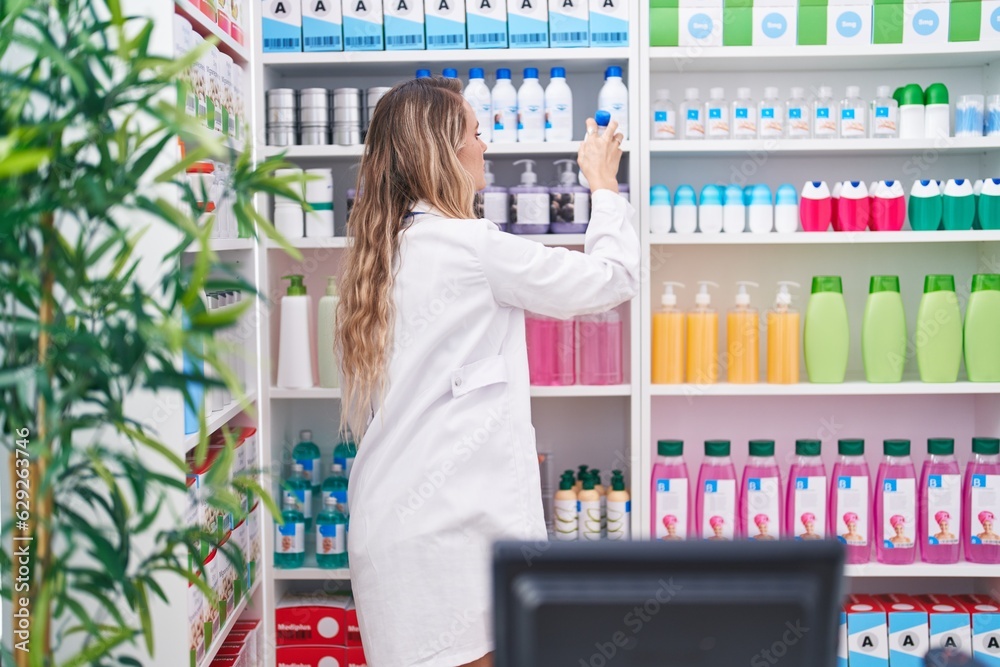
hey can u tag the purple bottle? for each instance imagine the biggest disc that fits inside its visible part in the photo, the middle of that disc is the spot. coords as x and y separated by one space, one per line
569 202
717 494
493 202
529 203
851 501
982 507
896 505
760 494
805 504
940 503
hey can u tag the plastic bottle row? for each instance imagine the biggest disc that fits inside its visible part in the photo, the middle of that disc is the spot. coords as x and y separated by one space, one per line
584 510
295 363
585 350
937 518
211 190
685 346
851 206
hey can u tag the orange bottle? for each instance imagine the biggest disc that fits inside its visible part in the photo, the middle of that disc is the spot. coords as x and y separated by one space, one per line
703 338
743 338
783 336
668 339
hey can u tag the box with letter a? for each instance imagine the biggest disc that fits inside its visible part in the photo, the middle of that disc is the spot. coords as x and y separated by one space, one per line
487 23
363 25
569 23
404 24
281 26
322 25
445 21
528 23
609 22
867 633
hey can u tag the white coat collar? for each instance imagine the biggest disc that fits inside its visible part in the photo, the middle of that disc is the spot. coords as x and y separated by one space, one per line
424 206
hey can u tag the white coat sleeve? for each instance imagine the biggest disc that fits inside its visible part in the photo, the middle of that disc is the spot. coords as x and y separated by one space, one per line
563 283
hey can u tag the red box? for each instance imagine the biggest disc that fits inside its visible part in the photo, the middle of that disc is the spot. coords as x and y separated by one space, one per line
353 629
225 661
311 656
356 657
313 620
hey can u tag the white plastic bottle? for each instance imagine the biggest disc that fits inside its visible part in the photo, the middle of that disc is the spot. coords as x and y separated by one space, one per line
530 108
760 212
786 209
734 211
664 116
685 210
797 113
614 98
326 323
772 115
825 115
504 102
853 115
477 94
710 210
885 114
717 115
692 116
294 357
744 116
659 209
558 107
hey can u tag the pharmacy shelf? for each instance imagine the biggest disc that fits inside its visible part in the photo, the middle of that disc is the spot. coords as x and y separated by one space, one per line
312 243
223 245
581 391
821 58
354 152
313 152
206 27
217 420
848 388
826 238
923 570
309 572
278 393
541 148
824 147
220 639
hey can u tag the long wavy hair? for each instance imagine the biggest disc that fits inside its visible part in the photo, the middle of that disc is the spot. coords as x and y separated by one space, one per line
411 154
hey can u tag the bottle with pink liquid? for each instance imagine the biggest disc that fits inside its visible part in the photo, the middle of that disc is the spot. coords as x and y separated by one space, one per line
805 504
760 493
600 348
896 505
851 501
717 494
982 502
551 350
940 503
671 493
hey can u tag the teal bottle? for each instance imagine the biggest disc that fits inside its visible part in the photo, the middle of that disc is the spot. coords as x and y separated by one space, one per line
290 535
331 536
335 486
298 484
345 452
306 453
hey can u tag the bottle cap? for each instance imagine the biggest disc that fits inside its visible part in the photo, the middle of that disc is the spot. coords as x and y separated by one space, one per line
936 93
566 174
761 195
306 436
423 73
691 93
289 501
663 94
503 73
827 284
669 298
617 480
296 287
477 73
596 474
815 190
528 176
588 483
331 286
743 93
808 447
670 447
297 468
770 92
711 196
982 282
742 297
896 447
853 91
986 446
898 95
883 284
716 448
530 72
336 468
851 447
703 298
784 297
911 95
762 448
786 196
882 91
614 70
659 195
602 118
449 73
797 93
557 73
716 93
941 446
330 502
733 195
567 481
684 196
939 283
825 92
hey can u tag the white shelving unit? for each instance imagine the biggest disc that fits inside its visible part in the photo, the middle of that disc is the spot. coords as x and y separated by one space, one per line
824 147
827 238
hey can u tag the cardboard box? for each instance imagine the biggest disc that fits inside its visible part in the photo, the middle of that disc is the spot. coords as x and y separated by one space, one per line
663 22
609 22
404 25
737 22
867 632
445 24
322 25
356 657
950 623
908 631
528 23
700 22
849 22
486 24
255 639
842 639
569 23
327 620
985 613
775 22
363 25
989 29
911 21
281 27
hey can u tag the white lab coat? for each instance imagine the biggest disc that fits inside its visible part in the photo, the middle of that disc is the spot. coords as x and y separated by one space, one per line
448 464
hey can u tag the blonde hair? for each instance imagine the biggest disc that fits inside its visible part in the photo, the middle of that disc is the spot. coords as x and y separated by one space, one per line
411 154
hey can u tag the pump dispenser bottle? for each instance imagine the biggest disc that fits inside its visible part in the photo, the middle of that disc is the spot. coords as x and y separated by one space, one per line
668 339
742 335
496 200
783 338
703 338
325 326
294 352
569 202
529 203
850 501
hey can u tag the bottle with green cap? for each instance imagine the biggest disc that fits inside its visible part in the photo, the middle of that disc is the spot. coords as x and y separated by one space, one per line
326 325
937 112
982 329
940 503
850 501
982 503
602 492
717 499
938 335
805 502
670 493
827 337
294 352
760 494
926 206
619 509
911 111
589 514
565 511
896 505
959 204
883 331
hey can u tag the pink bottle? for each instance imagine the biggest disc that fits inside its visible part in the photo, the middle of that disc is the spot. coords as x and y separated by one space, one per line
717 494
982 507
896 505
888 207
671 493
815 207
853 207
600 348
851 501
835 205
805 505
760 494
551 350
940 503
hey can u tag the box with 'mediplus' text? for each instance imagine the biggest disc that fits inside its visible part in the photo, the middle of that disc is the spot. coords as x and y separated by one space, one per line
317 620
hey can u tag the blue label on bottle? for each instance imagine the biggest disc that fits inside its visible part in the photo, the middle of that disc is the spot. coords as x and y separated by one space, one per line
843 482
692 114
741 112
660 116
847 114
889 485
823 112
711 486
287 529
662 485
934 482
714 113
802 483
795 113
881 112
753 484
767 112
979 481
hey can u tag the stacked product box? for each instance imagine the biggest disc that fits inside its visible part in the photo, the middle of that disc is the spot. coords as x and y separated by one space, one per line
228 15
243 646
911 21
835 22
322 25
759 22
569 23
687 22
311 629
445 24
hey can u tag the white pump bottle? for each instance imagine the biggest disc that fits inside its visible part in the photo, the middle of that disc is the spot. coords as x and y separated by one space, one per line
530 203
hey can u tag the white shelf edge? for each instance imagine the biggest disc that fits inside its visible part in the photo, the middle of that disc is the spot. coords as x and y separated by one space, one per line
822 146
222 245
279 393
826 238
311 573
332 152
224 631
922 570
220 419
418 57
849 388
308 243
198 20
579 391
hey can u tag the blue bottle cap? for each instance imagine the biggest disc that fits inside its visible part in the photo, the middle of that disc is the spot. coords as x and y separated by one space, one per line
477 73
530 72
889 183
503 73
602 117
747 194
558 73
614 70
786 195
761 195
423 74
734 195
659 195
958 181
711 195
684 196
449 73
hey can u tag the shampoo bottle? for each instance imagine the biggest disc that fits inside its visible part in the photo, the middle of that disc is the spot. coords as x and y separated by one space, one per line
659 210
668 339
925 207
982 502
670 493
783 338
786 210
529 205
959 204
939 331
939 528
883 331
710 210
569 202
326 324
530 108
815 207
619 509
613 97
760 212
982 329
827 335
504 101
565 511
551 347
805 506
850 501
477 94
294 351
600 348
718 499
734 213
743 340
896 505
685 211
558 107
589 517
703 338
888 206
760 494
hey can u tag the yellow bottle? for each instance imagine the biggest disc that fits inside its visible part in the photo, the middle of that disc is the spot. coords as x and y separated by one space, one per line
783 336
668 339
703 338
743 338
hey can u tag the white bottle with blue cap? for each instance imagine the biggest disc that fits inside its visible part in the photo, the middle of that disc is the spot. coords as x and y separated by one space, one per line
530 108
504 102
786 210
614 98
734 212
761 210
449 73
558 107
685 211
602 118
423 73
710 210
659 209
477 94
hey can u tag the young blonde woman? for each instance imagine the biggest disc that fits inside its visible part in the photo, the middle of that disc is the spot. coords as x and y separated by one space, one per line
435 370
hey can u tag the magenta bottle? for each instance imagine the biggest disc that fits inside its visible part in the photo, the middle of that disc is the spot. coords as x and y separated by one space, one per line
896 505
600 348
671 493
760 494
851 501
940 503
982 502
805 503
717 494
551 350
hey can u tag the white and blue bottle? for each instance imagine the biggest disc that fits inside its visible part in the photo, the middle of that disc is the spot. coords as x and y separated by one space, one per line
734 212
477 94
530 108
664 116
685 210
504 102
614 98
558 107
760 212
710 210
692 117
659 209
786 209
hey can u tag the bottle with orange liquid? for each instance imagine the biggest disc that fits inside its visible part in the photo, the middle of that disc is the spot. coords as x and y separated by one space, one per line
703 338
783 336
668 339
743 338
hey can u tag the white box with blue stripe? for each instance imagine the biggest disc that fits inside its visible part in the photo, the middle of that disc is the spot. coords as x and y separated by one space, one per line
281 26
445 24
528 23
867 633
950 626
363 21
404 25
486 22
609 22
908 630
569 23
322 25
985 627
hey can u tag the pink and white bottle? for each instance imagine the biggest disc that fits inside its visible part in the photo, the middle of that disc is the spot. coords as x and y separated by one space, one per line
600 344
940 503
982 502
815 207
896 505
760 493
805 504
853 207
888 206
851 501
551 350
717 494
670 493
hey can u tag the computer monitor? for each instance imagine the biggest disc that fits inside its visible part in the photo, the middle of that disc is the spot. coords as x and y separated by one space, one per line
654 604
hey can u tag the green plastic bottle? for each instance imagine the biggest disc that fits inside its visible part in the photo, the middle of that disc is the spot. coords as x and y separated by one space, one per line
883 331
959 204
827 337
335 486
344 453
300 487
331 536
306 453
925 207
290 535
989 204
982 329
938 337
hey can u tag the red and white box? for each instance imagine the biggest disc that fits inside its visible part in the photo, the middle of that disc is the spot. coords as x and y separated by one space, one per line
950 622
316 620
356 657
985 612
225 661
254 639
321 656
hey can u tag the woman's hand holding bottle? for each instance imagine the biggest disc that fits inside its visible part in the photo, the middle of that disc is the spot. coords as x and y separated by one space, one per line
599 156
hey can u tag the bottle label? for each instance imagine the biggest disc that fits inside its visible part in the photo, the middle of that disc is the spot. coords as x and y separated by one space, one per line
825 126
291 538
571 207
767 112
566 521
590 520
745 122
823 112
495 207
741 112
311 469
305 498
559 121
664 125
714 113
347 462
899 509
983 509
795 113
762 520
847 114
693 114
671 509
719 505
619 513
331 539
885 122
340 497
809 508
852 511
529 209
772 122
944 508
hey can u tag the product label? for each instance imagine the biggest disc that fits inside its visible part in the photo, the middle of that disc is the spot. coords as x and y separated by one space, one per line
566 521
693 127
363 21
772 122
762 521
850 125
196 629
495 207
531 119
571 207
311 468
885 121
618 519
529 209
944 508
340 497
767 112
671 509
487 24
609 22
305 500
719 505
823 112
745 123
714 113
346 463
899 509
664 125
404 24
291 538
983 509
590 520
851 522
794 113
322 25
445 24
282 26
569 23
331 539
558 117
741 112
809 508
824 125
